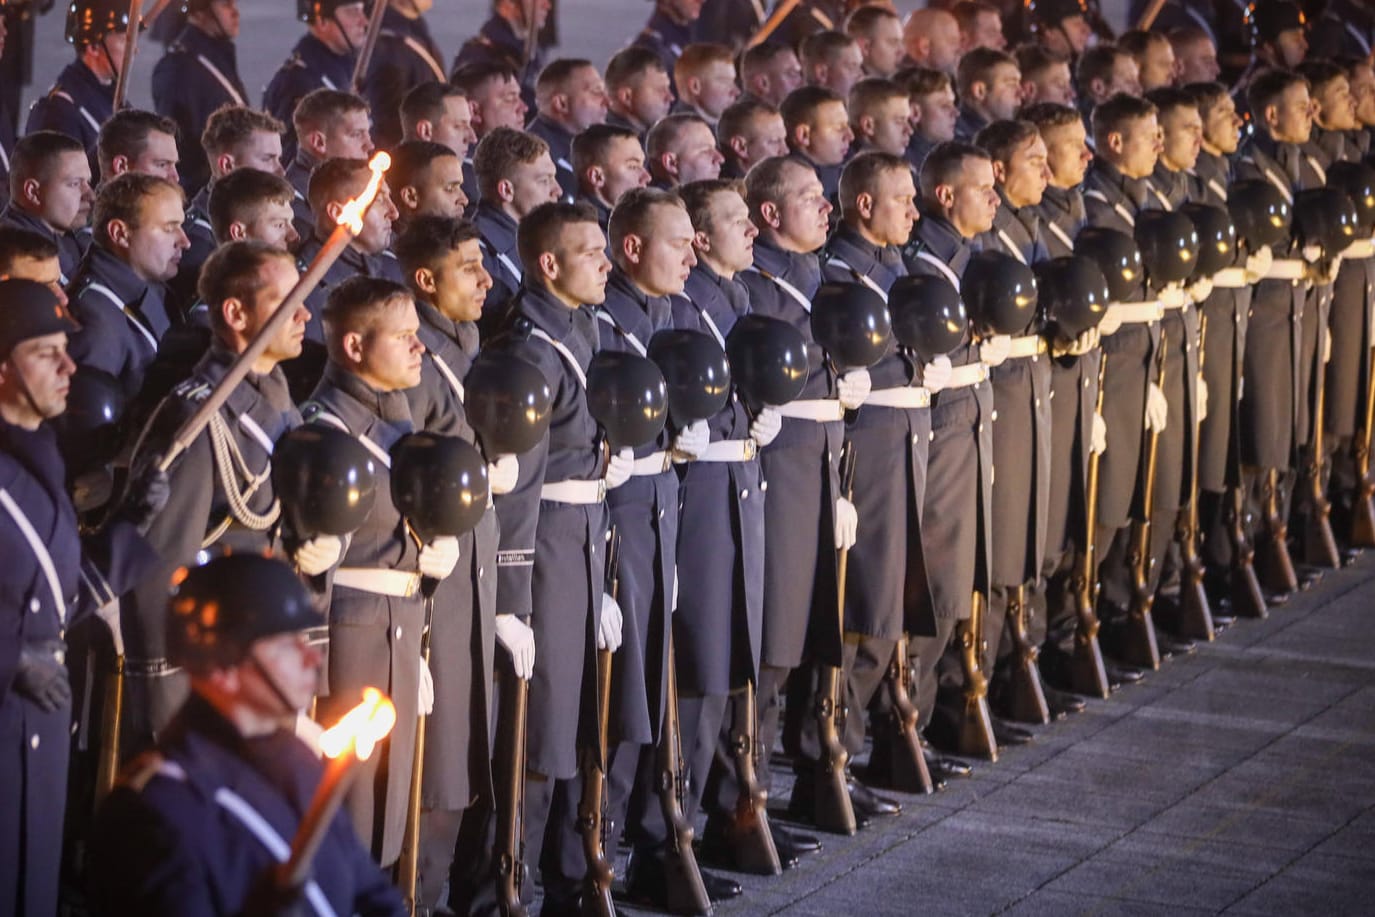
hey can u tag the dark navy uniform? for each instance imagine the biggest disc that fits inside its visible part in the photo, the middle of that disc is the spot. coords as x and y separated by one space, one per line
1345 29
968 124
123 317
664 37
187 831
201 236
298 174
6 150
728 22
500 258
76 105
197 75
498 42
808 17
560 150
71 247
405 56
311 66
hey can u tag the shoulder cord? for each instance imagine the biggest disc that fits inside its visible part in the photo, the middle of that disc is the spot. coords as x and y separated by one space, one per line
231 466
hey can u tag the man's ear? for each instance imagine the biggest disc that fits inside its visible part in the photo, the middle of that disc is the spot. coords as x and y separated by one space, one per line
770 214
668 162
353 346
624 95
999 171
865 126
410 197
1271 114
424 129
315 142
333 209
738 145
801 136
549 265
237 231
235 313
224 163
1115 143
32 192
118 233
425 280
558 102
694 86
701 241
632 247
864 204
945 196
119 165
595 177
506 191
978 90
1097 88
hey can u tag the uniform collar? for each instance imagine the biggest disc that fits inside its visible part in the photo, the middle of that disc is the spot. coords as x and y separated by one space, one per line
391 407
463 334
498 230
196 41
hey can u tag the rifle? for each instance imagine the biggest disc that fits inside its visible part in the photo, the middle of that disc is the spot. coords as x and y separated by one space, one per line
976 726
1195 613
750 838
1026 694
596 895
510 815
1363 512
360 64
907 768
1319 544
1277 567
834 811
107 766
408 867
685 892
1140 647
1089 675
1248 599
770 25
126 63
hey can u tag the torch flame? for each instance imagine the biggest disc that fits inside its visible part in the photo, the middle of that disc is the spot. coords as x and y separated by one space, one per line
352 214
361 728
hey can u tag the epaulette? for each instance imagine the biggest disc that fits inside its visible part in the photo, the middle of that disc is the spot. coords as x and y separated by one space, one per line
193 390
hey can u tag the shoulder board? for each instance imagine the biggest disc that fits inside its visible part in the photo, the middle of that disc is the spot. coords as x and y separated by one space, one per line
196 390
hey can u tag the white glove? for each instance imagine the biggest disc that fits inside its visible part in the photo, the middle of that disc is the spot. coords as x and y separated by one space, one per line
426 705
1201 402
309 732
1098 435
439 557
852 388
692 441
847 524
502 474
1109 325
1157 408
936 374
619 468
318 554
765 426
519 640
609 631
1258 264
995 350
1311 253
1085 342
1200 290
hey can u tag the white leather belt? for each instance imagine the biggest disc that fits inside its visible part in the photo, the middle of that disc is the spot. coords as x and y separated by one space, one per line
820 410
580 493
967 375
730 450
1361 248
378 581
1030 345
1136 313
652 464
1287 269
1231 278
1173 298
906 396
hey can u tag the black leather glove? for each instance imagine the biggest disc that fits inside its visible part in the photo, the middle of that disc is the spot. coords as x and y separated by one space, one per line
147 494
42 677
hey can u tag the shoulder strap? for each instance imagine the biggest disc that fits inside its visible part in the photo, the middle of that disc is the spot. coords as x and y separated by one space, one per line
275 844
220 78
449 375
1123 212
865 279
129 314
941 266
325 416
785 286
563 352
634 341
40 550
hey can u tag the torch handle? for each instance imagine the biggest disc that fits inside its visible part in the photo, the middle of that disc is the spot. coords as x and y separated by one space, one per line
360 66
780 13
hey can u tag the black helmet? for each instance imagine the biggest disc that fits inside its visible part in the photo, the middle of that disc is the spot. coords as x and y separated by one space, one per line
88 21
1357 179
1116 255
1325 217
439 483
1169 246
1000 293
325 479
88 433
1054 12
1073 294
29 309
695 370
627 395
1259 212
508 403
928 315
219 609
850 322
768 360
1268 19
1217 238
310 11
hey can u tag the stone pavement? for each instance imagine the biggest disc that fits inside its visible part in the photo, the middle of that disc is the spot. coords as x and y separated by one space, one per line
1239 780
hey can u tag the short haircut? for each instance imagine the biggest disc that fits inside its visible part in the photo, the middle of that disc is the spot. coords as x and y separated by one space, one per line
802 104
236 197
1320 71
1116 113
1050 115
335 180
126 134
967 13
16 244
1096 63
633 214
922 81
629 65
697 56
1167 98
1035 59
473 75
767 180
823 47
231 125
1003 138
426 103
1137 42
500 151
234 271
556 74
122 197
698 195
945 163
35 156
738 117
1188 35
977 66
861 174
539 231
667 131
591 147
425 241
412 159
353 306
1267 87
760 57
871 92
320 108
1206 95
865 19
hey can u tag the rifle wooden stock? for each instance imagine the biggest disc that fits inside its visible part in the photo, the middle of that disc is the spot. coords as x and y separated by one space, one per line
834 810
510 815
1319 544
748 832
126 63
1139 647
1363 509
976 723
1248 599
111 715
1089 674
907 770
1277 567
1026 695
596 894
408 867
1195 612
364 58
770 25
685 892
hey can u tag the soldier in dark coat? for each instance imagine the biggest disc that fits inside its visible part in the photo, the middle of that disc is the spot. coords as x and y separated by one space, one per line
326 124
932 95
608 162
322 59
51 180
638 88
749 131
669 30
990 89
681 148
405 56
818 131
502 41
570 97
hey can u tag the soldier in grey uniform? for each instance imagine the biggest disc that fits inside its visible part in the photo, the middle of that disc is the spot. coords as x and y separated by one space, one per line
326 124
405 57
609 161
50 194
570 97
749 131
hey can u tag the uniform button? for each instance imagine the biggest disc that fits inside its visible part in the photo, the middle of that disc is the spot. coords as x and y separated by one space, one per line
995 415
661 514
763 486
1086 383
398 633
932 436
481 571
915 439
745 494
981 428
1034 358
34 605
1037 402
33 741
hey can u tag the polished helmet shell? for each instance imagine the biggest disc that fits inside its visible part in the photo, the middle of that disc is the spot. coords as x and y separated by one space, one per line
1073 294
1259 212
1325 217
1117 256
928 315
850 322
1357 179
1000 293
1169 246
439 483
29 309
218 610
768 360
1217 238
696 373
88 433
325 479
320 10
89 21
1054 12
1266 20
627 395
508 403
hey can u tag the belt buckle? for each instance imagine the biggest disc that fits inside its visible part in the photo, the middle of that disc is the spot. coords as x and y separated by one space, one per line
601 489
751 449
667 462
412 585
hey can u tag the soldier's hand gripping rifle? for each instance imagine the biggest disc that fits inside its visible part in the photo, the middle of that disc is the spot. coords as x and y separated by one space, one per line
596 893
1140 647
1089 675
834 810
1363 510
907 770
1195 612
1026 694
751 839
685 891
1319 544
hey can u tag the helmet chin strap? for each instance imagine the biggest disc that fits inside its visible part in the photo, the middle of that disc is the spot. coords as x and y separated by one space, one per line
343 32
272 683
26 391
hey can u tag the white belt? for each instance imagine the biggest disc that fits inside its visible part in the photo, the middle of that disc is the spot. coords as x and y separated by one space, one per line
1231 278
817 409
1136 313
1027 346
378 581
967 375
1173 298
1287 269
906 396
731 450
1361 248
581 493
652 464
